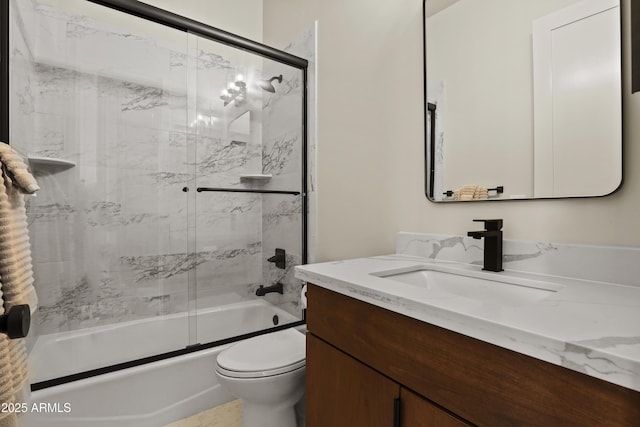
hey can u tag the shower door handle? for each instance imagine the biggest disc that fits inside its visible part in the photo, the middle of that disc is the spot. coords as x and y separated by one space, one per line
16 322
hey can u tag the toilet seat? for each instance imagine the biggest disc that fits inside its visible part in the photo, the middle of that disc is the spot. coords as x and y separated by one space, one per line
264 355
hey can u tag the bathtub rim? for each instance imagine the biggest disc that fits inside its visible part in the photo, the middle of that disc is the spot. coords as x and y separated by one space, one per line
162 356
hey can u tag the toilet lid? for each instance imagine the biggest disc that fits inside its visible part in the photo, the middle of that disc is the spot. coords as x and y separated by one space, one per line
268 354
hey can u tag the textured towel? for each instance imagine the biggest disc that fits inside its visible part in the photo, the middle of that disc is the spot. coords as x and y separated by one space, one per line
16 275
471 192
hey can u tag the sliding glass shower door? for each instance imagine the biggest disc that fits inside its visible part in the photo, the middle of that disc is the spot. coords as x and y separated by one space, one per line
172 169
248 126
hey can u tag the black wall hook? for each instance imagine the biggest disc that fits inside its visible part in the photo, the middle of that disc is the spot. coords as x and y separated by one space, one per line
16 322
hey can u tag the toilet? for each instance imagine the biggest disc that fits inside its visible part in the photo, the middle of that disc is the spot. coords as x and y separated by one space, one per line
267 373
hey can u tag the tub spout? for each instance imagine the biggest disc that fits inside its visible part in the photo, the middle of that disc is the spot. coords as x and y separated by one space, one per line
263 290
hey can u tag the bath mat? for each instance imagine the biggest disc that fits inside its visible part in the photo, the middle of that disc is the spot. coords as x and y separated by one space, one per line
226 415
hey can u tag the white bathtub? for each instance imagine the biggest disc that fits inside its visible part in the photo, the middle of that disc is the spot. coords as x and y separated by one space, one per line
65 353
149 395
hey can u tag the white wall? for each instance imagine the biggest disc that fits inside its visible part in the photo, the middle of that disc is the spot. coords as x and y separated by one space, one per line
241 17
369 106
371 139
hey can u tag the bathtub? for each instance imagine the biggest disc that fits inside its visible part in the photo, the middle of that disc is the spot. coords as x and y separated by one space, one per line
149 395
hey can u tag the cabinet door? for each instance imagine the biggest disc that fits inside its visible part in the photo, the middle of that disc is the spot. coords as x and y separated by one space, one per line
342 392
419 412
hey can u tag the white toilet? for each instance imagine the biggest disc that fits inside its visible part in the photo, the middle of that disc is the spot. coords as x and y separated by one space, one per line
267 373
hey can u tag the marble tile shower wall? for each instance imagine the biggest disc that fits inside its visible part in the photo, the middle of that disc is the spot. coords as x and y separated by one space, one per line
110 235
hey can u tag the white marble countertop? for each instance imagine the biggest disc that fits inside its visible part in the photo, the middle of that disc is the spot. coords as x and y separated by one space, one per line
590 327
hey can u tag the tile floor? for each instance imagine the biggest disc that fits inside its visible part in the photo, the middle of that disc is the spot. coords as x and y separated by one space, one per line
227 415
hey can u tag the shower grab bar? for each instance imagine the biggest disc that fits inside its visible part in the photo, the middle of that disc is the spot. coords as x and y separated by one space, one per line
246 190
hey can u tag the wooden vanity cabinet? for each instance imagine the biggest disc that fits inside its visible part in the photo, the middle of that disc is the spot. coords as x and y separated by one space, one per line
346 392
342 388
368 367
416 411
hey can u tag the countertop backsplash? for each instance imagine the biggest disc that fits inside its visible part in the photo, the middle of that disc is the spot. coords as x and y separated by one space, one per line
611 264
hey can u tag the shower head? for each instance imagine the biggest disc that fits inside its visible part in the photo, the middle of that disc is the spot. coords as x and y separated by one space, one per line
267 85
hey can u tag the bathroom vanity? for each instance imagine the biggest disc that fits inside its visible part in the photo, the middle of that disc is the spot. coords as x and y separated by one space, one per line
363 361
383 352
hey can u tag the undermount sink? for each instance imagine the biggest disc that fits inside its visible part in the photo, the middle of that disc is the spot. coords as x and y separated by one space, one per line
487 287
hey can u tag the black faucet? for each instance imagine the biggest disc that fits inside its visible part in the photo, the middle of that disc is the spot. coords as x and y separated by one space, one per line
492 243
263 290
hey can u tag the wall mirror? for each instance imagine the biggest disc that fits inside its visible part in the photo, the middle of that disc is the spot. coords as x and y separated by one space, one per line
523 99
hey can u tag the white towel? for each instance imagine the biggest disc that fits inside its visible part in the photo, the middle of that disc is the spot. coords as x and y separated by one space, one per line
16 275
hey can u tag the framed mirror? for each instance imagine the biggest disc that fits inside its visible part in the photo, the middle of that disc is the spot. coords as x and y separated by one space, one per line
523 99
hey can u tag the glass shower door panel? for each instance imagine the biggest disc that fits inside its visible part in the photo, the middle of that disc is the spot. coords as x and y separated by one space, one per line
237 234
107 92
248 129
230 261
